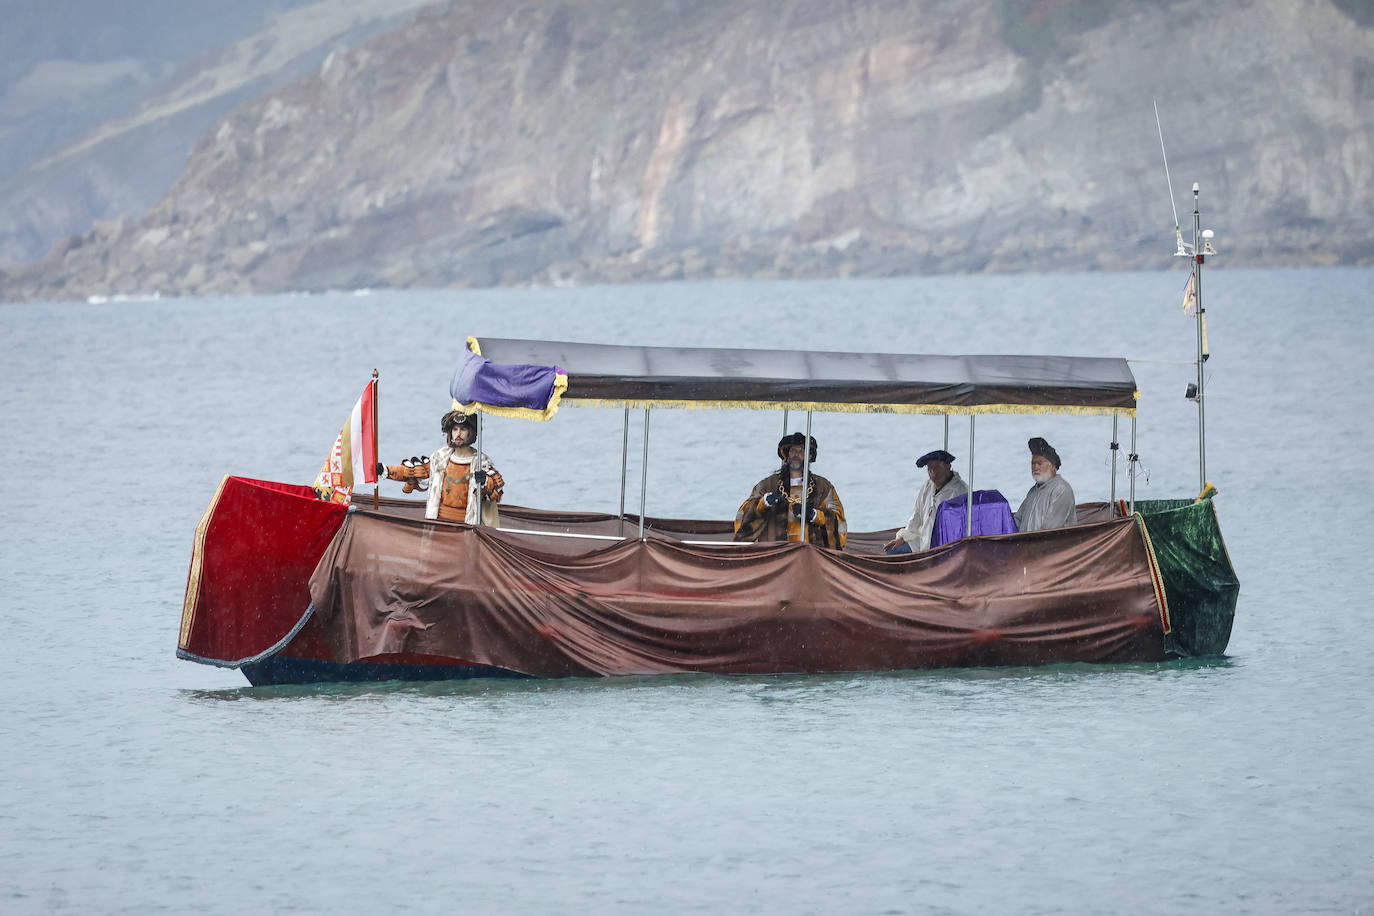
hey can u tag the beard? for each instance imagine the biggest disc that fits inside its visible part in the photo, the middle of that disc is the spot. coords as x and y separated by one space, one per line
795 466
1041 477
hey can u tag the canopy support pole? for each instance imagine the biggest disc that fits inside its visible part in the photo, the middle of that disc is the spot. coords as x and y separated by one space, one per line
785 412
1116 447
644 473
376 396
624 464
1132 460
971 420
806 476
477 466
946 446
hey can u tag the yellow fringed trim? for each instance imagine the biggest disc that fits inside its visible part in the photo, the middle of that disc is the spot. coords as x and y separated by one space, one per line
1156 577
1209 490
188 608
474 346
841 407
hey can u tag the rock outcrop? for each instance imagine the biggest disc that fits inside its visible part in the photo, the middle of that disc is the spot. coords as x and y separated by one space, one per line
578 142
84 140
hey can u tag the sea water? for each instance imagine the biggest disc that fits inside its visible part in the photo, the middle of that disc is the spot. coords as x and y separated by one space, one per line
134 782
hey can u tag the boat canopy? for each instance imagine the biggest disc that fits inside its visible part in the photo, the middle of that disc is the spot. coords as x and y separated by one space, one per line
511 377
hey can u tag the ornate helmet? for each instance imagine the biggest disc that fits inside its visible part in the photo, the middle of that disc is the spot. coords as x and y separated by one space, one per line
457 418
787 442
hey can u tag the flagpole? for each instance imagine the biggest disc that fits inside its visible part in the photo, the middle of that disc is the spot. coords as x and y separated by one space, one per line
376 452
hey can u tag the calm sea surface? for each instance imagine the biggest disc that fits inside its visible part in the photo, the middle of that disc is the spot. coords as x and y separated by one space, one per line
134 782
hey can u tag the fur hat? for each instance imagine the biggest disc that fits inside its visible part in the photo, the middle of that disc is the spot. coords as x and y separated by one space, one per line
787 442
1042 448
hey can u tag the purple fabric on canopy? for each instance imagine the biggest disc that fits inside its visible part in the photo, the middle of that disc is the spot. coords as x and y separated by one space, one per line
499 385
991 515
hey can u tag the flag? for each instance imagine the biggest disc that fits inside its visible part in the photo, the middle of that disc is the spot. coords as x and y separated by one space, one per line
1190 297
354 453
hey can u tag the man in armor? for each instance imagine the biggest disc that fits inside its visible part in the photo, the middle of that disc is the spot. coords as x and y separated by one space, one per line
454 474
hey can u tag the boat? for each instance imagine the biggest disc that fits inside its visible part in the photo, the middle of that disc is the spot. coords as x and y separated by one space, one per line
293 589
290 588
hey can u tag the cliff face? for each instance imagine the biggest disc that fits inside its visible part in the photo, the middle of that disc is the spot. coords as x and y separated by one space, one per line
100 104
594 141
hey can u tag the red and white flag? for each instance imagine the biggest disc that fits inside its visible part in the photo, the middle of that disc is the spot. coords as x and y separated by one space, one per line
354 456
1190 297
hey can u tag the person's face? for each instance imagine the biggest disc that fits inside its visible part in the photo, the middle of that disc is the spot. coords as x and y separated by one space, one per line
938 471
795 455
460 435
1042 468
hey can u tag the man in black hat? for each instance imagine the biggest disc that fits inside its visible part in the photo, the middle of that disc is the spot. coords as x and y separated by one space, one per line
773 511
1050 502
943 483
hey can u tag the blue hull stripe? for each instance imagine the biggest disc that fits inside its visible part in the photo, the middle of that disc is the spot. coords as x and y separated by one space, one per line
279 669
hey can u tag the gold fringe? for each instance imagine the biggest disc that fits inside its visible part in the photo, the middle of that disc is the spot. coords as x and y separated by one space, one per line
1208 489
188 609
845 407
1156 577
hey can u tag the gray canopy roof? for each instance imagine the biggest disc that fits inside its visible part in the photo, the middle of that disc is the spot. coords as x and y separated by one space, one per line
712 378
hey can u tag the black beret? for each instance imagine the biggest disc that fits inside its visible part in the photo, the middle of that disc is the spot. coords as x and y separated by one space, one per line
1042 448
938 455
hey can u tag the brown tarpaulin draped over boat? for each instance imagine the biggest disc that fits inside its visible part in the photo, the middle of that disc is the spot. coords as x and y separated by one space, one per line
390 585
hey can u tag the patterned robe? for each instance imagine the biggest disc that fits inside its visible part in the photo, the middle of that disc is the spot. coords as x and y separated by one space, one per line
755 521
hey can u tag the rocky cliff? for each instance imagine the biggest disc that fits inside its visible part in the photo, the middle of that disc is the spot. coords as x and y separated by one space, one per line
591 141
100 103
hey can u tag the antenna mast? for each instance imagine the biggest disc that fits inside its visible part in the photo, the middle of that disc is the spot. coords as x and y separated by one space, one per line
1178 231
1197 252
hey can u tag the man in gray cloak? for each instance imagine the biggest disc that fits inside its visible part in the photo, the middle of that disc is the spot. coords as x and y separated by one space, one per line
1050 502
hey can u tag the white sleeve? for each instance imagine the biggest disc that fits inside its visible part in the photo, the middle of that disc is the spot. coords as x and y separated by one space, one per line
912 533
